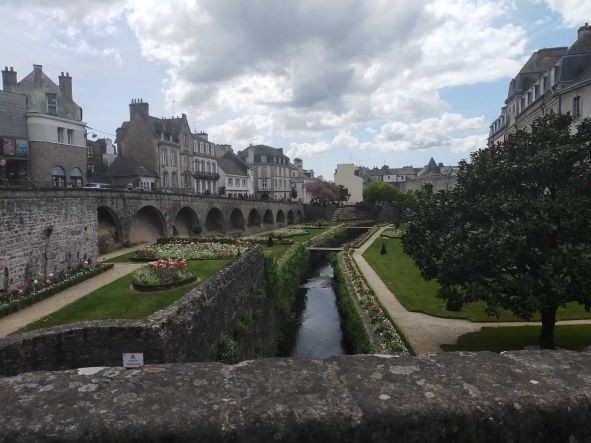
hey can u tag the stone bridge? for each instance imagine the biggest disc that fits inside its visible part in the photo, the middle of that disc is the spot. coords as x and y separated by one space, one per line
145 216
50 231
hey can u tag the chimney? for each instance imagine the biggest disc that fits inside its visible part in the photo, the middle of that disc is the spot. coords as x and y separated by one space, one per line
583 31
65 82
138 107
9 80
204 135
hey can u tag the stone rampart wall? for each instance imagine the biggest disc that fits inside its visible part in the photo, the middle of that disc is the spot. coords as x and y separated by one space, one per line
188 330
439 182
318 212
524 396
44 235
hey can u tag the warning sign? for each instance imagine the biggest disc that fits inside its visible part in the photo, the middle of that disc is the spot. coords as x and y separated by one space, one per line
135 360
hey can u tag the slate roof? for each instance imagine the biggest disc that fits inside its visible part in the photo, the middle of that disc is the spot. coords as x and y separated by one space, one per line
128 167
262 150
231 164
166 125
539 62
583 43
431 169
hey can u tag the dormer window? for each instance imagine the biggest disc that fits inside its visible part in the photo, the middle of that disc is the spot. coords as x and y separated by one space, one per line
51 102
263 159
170 137
162 136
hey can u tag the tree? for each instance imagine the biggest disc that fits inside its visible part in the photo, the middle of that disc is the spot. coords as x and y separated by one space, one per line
321 191
515 231
380 192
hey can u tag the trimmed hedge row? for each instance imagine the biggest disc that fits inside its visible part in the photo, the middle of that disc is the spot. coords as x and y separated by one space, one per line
34 297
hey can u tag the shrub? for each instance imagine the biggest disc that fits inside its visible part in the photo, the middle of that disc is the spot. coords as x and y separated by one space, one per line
270 241
228 351
383 250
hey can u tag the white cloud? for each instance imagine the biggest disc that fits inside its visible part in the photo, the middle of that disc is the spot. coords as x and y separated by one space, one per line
574 12
469 143
307 150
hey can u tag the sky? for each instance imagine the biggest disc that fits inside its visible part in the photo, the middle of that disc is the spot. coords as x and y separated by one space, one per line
369 82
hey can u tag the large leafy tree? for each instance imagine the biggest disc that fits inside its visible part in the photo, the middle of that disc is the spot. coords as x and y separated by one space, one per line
516 230
321 192
379 191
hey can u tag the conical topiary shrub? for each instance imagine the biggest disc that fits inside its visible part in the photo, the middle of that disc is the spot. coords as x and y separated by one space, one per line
383 251
270 241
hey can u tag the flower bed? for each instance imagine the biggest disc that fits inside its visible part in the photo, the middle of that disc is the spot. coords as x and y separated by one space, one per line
392 233
280 233
162 274
189 250
389 339
364 237
46 287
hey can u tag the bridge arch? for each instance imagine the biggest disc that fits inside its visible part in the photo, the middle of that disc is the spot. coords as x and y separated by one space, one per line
214 222
147 225
268 219
254 218
185 221
236 220
290 217
109 230
280 218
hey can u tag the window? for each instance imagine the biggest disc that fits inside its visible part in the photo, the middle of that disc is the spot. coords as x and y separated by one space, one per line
230 182
577 107
263 159
162 136
170 137
187 181
243 182
174 183
263 172
208 167
164 157
173 158
201 148
213 168
544 83
165 179
264 184
51 101
187 161
536 92
60 135
58 177
555 75
76 177
70 136
195 147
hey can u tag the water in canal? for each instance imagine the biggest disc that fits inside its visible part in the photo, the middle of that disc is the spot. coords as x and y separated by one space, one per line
315 329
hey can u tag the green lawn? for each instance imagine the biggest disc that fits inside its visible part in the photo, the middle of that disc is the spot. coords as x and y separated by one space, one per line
119 300
399 273
123 258
575 337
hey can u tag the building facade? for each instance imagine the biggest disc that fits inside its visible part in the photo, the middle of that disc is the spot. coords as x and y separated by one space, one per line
271 171
348 175
206 174
552 80
300 178
235 176
55 152
14 139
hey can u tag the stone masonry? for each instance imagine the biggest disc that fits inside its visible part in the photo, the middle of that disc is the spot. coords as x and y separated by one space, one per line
523 396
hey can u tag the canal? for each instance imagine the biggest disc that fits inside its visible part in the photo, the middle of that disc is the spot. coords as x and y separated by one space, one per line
315 326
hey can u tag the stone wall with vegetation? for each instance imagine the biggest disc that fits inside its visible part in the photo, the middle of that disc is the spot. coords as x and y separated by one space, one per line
318 212
42 236
522 396
194 328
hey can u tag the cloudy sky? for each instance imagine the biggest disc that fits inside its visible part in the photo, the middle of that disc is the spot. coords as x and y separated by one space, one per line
330 81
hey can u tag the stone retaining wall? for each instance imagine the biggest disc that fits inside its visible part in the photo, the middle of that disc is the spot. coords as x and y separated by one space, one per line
525 396
188 330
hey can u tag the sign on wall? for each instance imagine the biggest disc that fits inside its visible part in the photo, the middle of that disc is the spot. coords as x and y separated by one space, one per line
22 148
8 145
133 360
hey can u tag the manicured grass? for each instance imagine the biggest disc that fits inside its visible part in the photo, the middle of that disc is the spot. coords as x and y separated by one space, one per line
403 278
123 258
575 337
119 300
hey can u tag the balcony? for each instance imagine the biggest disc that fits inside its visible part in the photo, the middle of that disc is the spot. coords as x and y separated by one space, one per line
202 175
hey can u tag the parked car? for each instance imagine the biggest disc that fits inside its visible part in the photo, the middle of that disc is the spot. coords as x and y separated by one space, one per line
96 186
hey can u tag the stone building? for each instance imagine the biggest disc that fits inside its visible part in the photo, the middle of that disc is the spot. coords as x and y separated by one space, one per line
348 175
271 171
236 177
300 178
160 145
14 143
100 154
55 152
552 80
205 171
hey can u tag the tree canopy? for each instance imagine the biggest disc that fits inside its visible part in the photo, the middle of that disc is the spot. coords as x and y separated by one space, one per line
516 230
321 192
380 192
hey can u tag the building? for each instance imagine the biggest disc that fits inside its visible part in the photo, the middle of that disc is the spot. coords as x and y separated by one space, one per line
205 166
14 143
100 155
271 171
235 175
55 152
300 178
552 80
161 146
347 175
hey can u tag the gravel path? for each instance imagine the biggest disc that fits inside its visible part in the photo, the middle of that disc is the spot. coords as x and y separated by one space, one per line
425 333
19 319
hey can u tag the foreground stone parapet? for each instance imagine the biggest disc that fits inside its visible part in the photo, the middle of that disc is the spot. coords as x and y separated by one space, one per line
519 396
